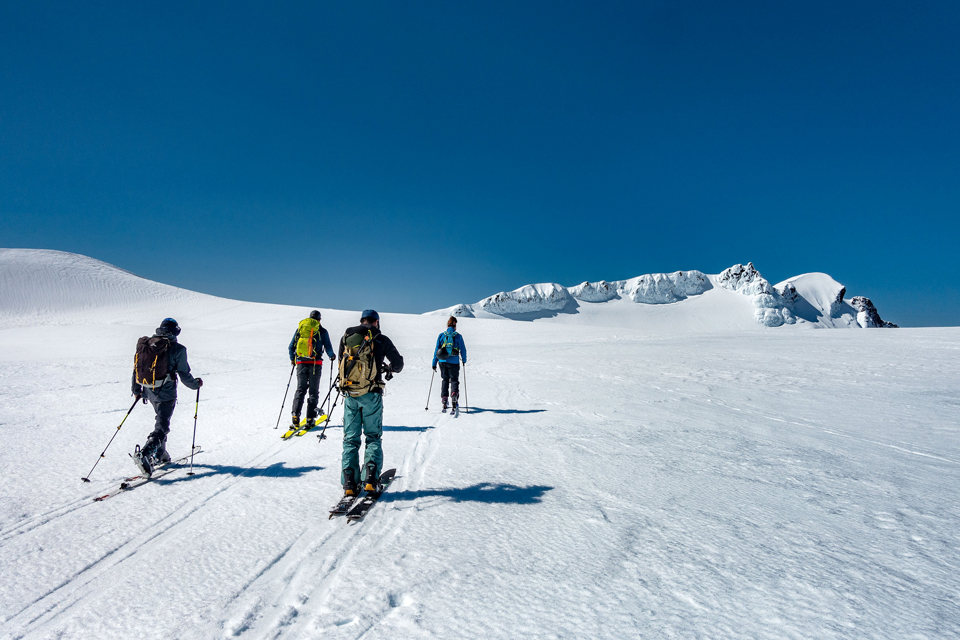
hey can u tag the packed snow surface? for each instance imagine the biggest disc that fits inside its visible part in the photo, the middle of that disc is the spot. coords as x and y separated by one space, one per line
655 480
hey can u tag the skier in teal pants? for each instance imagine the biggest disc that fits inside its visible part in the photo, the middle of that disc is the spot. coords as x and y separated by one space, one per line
362 352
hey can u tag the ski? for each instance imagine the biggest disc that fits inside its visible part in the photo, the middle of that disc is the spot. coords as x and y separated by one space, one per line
303 428
343 506
135 481
369 498
456 412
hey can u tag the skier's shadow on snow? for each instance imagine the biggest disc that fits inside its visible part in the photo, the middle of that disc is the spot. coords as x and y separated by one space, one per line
482 410
486 492
407 428
276 470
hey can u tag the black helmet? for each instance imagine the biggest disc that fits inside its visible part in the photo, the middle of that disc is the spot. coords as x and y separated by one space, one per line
315 314
169 324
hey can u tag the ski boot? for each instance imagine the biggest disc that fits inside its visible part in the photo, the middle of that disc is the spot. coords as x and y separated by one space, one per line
372 483
143 462
311 423
295 421
443 400
162 456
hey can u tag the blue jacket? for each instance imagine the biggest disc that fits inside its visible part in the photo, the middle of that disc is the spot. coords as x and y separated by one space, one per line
457 343
321 340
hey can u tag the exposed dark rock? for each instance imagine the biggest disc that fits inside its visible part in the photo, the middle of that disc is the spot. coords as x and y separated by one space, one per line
867 315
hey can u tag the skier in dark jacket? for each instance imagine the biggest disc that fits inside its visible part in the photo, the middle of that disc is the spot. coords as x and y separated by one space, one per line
306 349
450 350
363 405
163 398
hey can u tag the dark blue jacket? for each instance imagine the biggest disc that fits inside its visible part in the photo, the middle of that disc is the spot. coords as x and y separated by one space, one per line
457 343
177 365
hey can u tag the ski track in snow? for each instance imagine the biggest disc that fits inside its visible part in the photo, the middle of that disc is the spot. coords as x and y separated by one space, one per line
612 483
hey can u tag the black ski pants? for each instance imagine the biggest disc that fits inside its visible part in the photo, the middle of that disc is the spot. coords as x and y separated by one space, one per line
157 440
449 380
308 379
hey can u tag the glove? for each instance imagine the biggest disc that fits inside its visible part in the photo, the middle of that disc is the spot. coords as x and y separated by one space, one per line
333 359
199 382
434 367
293 363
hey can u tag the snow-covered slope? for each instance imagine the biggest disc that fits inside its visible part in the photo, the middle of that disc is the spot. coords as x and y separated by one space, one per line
598 302
47 287
619 482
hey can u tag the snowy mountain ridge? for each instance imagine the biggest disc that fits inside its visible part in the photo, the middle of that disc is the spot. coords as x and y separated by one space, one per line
50 287
813 298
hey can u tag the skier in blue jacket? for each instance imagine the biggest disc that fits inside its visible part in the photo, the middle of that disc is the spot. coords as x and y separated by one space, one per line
449 352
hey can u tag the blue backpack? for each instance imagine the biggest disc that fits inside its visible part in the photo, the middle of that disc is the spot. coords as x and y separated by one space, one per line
448 347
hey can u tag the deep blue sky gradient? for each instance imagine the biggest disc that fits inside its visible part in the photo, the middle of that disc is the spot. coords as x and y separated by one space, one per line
411 155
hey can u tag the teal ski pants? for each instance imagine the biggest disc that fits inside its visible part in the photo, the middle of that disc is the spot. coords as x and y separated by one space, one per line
363 414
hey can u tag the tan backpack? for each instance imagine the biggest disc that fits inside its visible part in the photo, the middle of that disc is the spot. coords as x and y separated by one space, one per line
358 369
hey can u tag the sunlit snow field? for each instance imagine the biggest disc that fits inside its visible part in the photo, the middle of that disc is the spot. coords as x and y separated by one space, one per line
639 480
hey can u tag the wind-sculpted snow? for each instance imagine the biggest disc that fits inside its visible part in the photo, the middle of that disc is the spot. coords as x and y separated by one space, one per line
596 291
811 299
819 299
744 279
664 288
44 287
528 299
656 288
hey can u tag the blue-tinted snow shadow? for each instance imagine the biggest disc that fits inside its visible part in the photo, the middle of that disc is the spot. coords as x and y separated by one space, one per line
482 410
485 492
407 428
276 470
571 307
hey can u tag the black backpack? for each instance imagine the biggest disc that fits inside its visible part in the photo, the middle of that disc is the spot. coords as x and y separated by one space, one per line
150 362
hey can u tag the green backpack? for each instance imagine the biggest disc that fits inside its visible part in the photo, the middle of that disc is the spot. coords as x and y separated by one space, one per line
308 329
358 369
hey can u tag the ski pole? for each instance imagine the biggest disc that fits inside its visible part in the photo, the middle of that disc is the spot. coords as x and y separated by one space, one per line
327 397
193 445
103 455
427 408
329 415
331 387
285 394
466 396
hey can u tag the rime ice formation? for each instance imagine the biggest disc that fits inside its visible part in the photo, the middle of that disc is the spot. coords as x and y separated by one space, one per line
813 298
772 310
531 298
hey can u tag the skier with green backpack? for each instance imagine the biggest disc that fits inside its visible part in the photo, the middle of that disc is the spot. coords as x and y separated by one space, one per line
449 352
361 380
306 349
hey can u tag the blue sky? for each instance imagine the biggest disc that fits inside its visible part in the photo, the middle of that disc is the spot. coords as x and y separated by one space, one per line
411 155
